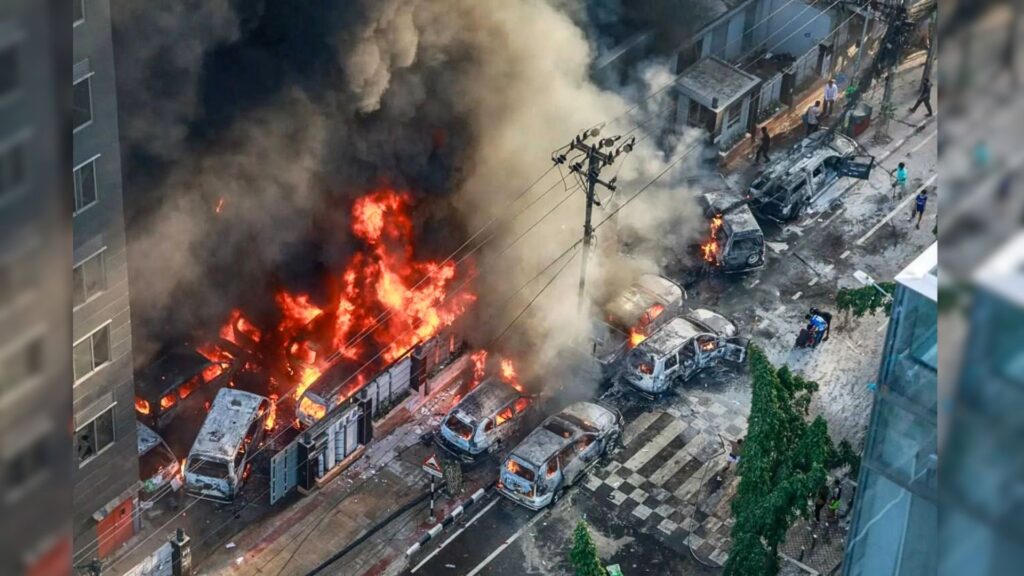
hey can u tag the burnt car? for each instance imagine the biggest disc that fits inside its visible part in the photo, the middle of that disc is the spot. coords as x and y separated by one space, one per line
792 182
682 348
159 469
484 418
163 387
634 315
737 243
558 453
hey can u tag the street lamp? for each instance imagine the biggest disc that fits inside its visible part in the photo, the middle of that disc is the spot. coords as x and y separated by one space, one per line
865 279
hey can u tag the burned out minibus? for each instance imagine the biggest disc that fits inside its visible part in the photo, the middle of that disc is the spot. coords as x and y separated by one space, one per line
737 244
682 348
558 453
634 315
220 459
482 420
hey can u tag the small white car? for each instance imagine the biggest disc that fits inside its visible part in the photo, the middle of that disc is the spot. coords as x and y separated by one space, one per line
558 453
484 418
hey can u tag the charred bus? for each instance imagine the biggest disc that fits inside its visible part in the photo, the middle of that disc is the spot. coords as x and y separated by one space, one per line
163 387
633 316
221 457
482 420
558 453
682 348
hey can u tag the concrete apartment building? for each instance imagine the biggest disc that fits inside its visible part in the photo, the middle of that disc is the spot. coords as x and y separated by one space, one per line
35 398
106 478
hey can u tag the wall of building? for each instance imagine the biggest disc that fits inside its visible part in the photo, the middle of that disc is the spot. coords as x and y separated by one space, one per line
796 27
100 228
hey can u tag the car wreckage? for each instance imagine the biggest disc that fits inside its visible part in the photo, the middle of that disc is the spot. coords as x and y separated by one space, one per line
482 420
632 316
793 181
682 348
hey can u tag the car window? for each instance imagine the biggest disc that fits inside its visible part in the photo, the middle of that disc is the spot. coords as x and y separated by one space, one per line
503 416
552 467
459 427
671 362
521 405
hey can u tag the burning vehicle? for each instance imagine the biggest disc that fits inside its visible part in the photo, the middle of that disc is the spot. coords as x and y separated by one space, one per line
558 453
807 172
158 466
632 316
736 243
482 420
162 389
221 457
682 348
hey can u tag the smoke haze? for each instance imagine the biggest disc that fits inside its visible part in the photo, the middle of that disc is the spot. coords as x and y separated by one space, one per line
284 114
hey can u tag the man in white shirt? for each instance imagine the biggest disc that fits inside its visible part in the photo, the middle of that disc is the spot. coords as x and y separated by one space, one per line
811 117
831 93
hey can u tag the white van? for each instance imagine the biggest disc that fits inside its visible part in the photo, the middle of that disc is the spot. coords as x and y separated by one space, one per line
220 459
488 415
558 453
634 315
682 348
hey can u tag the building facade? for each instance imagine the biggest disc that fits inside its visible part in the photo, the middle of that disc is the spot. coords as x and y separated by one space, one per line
895 519
106 478
35 399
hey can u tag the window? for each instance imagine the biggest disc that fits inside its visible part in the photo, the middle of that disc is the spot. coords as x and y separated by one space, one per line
27 465
78 7
671 362
89 279
12 168
521 405
23 362
85 186
82 103
504 416
91 352
94 437
9 70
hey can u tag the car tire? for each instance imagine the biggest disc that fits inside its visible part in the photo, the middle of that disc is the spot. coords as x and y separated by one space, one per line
753 260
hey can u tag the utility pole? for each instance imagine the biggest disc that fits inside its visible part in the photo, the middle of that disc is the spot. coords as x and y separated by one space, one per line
933 44
887 110
590 168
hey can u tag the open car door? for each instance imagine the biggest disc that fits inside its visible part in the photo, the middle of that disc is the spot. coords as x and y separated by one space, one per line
858 167
735 350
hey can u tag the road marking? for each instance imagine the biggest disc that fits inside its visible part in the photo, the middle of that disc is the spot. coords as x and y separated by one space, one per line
813 281
923 142
884 324
655 445
833 217
899 207
455 535
754 283
797 295
844 255
506 543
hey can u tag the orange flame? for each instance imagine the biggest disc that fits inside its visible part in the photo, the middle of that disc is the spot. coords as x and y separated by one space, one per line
312 409
479 359
167 401
268 424
141 406
508 374
709 249
636 337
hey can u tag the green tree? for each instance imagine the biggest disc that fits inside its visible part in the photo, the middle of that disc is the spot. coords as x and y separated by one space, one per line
865 300
783 465
583 555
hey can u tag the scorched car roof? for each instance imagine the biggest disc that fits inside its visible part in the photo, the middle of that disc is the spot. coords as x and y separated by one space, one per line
226 424
628 307
671 336
541 444
594 414
486 399
170 370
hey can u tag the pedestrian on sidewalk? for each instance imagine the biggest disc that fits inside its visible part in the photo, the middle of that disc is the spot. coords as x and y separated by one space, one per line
762 149
917 209
925 97
899 181
811 117
831 93
827 317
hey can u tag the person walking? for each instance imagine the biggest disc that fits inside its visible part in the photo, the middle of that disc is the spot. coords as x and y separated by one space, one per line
762 149
925 97
811 117
899 181
831 93
917 208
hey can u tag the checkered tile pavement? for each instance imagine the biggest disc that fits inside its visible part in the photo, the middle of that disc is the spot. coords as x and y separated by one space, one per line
673 479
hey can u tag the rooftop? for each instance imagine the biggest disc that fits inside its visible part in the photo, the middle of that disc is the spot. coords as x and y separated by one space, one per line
1003 274
226 424
713 80
671 336
486 399
627 308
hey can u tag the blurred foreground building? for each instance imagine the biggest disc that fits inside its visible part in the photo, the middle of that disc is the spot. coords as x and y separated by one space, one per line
106 477
894 529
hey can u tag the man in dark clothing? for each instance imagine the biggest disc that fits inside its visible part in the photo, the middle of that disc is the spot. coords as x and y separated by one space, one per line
762 150
924 98
920 201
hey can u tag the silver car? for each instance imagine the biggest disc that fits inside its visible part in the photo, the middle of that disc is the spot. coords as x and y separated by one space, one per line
558 453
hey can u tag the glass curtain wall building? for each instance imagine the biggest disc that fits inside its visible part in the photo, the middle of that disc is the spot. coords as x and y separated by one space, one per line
895 521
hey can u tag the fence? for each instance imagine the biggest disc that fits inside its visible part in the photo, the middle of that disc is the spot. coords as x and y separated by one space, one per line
156 564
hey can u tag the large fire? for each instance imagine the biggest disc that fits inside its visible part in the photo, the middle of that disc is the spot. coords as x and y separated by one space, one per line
709 249
640 332
381 304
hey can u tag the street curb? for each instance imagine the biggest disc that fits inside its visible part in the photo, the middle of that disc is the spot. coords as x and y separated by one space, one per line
448 520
